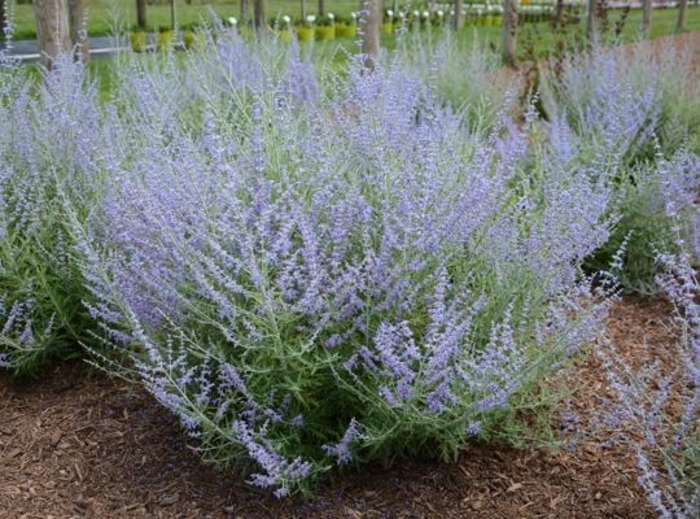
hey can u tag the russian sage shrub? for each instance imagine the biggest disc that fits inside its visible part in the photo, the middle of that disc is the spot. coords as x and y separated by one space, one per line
49 160
627 109
659 410
606 102
309 280
470 79
663 193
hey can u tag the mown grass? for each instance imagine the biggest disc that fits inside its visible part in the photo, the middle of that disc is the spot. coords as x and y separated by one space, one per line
104 16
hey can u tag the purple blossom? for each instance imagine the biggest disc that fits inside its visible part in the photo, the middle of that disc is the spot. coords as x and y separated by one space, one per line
341 451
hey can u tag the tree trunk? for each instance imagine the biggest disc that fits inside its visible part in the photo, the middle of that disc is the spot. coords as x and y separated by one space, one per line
458 21
559 13
303 10
259 15
510 26
646 16
141 14
321 7
591 22
244 11
370 24
52 29
682 14
78 30
3 19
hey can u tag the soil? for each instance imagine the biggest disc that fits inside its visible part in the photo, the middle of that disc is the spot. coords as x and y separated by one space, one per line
78 444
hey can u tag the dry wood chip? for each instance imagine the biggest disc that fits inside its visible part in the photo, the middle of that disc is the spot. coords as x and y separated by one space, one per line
56 437
14 453
515 487
170 499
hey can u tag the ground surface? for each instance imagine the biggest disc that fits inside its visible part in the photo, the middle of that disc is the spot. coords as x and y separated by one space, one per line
80 445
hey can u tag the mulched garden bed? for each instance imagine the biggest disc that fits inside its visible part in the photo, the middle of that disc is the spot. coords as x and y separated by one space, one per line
79 444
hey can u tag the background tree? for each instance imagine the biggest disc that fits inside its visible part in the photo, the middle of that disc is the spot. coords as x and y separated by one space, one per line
3 19
141 14
559 13
259 21
370 24
591 21
510 25
646 15
321 7
682 14
78 29
458 21
244 11
52 29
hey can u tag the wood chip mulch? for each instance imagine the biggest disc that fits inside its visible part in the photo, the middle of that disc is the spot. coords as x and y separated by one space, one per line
79 444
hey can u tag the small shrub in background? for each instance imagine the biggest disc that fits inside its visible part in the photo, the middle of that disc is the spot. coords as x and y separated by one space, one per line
644 202
635 120
467 79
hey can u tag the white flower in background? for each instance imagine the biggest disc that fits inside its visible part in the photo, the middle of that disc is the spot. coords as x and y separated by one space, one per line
311 18
286 19
416 14
353 14
440 13
232 20
331 16
426 14
389 13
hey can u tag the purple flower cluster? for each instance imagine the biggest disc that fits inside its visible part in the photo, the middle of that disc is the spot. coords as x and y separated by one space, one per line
608 101
342 451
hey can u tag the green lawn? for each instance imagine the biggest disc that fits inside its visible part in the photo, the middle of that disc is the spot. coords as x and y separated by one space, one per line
106 15
333 53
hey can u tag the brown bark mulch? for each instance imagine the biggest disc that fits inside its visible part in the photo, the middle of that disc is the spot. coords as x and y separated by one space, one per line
79 444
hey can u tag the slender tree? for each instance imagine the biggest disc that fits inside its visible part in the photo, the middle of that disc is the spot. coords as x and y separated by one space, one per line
244 11
559 13
591 21
141 14
3 18
259 15
682 14
78 29
52 29
321 7
370 24
458 21
510 25
646 15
